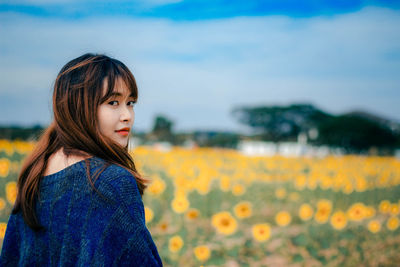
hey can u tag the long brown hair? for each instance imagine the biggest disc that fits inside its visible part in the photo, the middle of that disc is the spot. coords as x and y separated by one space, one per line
78 91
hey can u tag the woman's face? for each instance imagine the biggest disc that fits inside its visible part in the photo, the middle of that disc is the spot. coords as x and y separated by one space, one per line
116 114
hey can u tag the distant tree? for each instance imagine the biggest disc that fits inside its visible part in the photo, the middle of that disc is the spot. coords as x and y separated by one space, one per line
356 133
280 122
216 139
162 128
19 132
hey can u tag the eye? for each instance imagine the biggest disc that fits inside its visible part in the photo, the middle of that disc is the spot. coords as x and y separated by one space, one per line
113 103
131 103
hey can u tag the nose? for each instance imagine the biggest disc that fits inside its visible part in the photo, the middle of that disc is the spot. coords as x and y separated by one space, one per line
126 114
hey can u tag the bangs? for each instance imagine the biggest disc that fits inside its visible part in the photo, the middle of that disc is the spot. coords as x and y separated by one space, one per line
116 74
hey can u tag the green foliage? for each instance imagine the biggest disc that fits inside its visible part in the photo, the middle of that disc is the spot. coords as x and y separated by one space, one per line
300 240
344 251
297 258
279 123
216 139
355 133
162 129
21 133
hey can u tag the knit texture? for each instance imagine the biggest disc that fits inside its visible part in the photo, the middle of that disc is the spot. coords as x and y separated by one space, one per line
81 227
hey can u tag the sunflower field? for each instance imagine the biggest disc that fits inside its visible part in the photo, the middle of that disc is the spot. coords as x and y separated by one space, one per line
217 207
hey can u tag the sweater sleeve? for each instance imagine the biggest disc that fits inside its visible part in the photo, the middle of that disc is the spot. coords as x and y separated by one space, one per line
11 249
127 235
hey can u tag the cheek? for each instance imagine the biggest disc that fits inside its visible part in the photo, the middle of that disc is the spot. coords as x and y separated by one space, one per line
103 119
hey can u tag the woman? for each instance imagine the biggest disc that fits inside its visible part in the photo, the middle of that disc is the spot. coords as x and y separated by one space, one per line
79 193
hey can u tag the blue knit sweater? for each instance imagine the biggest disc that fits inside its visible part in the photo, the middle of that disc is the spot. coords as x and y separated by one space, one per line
82 228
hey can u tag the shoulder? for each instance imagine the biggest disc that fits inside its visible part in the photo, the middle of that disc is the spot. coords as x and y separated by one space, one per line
118 187
116 182
59 161
117 176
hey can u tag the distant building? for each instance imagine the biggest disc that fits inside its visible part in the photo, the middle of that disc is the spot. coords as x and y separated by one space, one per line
287 149
397 153
162 146
254 148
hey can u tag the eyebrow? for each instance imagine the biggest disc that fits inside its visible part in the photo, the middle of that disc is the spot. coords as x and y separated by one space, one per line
119 94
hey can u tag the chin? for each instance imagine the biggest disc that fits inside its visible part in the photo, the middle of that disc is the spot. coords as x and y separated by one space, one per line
122 141
123 144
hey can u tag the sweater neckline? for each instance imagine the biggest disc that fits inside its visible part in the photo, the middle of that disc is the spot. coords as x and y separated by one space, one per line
79 165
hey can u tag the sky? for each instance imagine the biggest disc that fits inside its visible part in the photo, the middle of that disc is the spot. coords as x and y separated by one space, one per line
195 61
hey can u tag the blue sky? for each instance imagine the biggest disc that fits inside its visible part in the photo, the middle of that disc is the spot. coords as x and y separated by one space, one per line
196 60
188 10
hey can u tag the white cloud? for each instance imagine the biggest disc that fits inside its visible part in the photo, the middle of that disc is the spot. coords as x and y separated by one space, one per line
196 72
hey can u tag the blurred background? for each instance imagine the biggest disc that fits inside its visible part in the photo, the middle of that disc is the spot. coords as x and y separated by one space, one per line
246 109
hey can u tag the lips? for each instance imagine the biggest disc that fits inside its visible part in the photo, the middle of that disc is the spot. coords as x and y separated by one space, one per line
123 131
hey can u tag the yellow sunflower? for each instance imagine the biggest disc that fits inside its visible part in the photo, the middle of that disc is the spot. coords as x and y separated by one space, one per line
392 223
283 218
238 190
163 226
7 147
243 210
3 227
374 226
361 185
202 186
305 212
369 212
156 187
192 214
357 212
202 253
384 206
261 232
180 204
394 209
324 208
225 183
11 192
339 220
4 167
148 214
300 182
2 203
325 183
175 243
224 223
348 189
